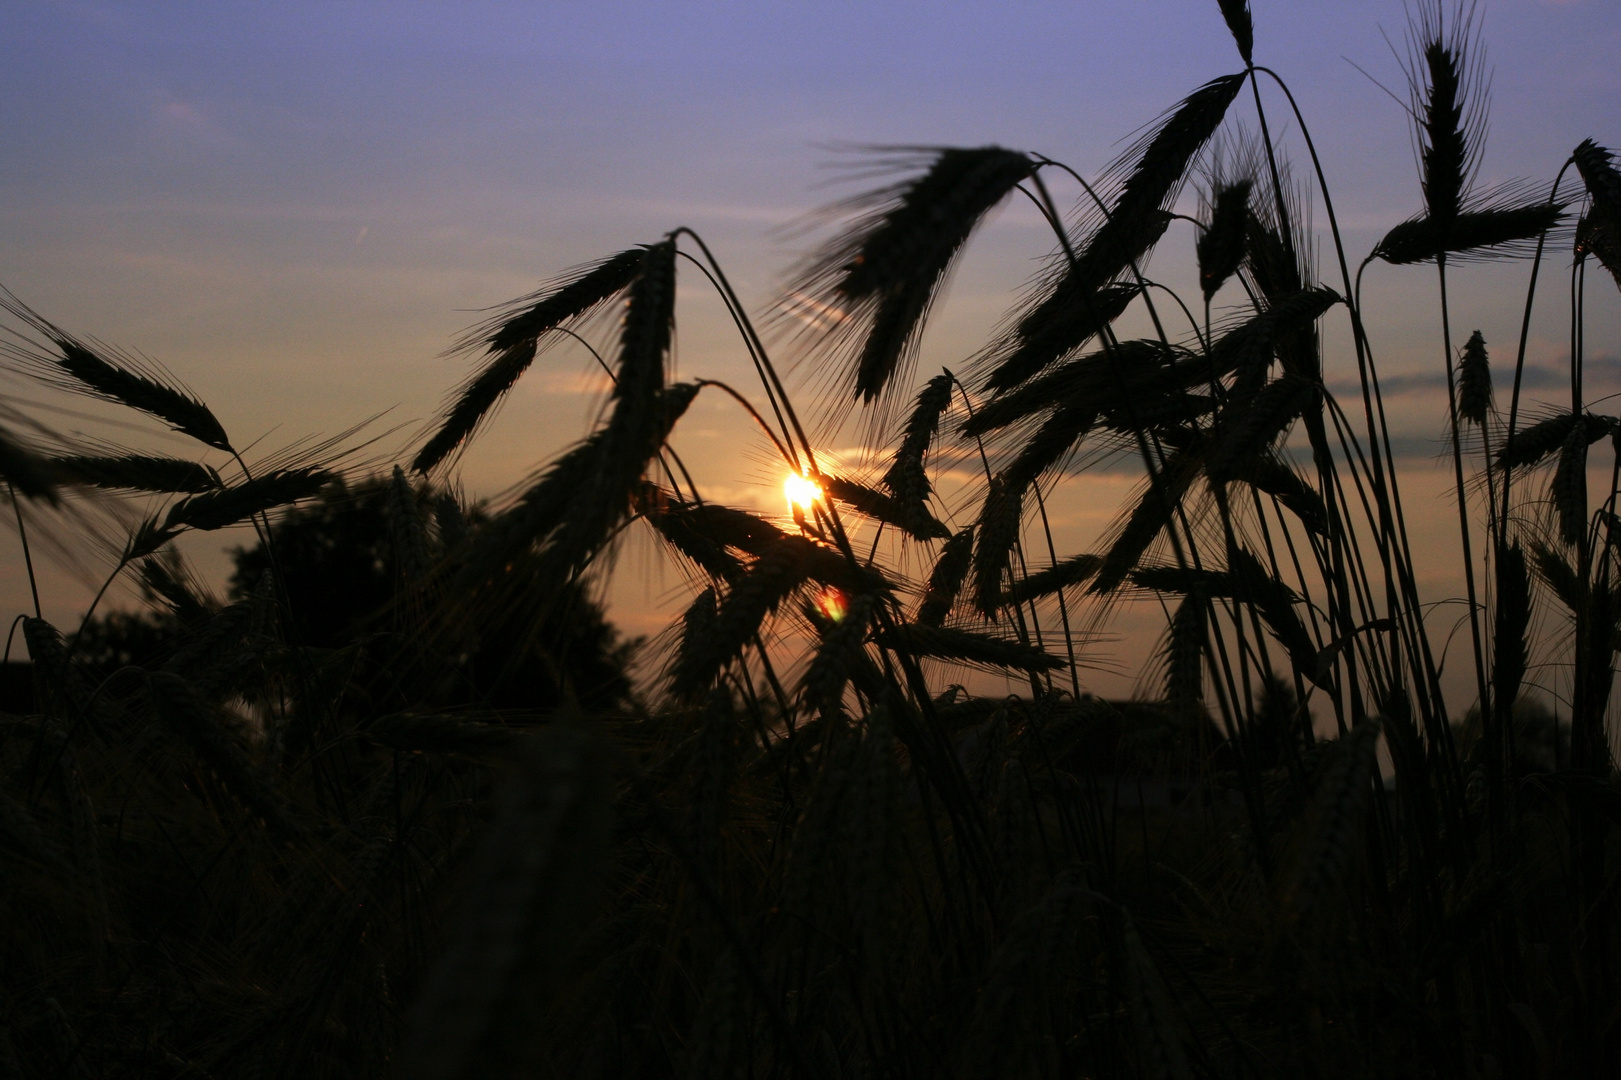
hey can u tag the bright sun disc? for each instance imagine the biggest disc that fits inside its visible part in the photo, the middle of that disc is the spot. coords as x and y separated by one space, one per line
801 492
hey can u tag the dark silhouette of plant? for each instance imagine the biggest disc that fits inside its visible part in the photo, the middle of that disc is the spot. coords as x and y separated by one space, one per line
391 808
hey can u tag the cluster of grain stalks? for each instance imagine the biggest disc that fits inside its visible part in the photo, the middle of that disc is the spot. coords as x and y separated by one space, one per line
414 836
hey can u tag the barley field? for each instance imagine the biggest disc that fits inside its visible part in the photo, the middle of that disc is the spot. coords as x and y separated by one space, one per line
399 800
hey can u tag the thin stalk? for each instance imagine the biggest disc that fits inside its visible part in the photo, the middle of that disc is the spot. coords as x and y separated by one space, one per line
1386 492
1463 499
985 463
751 340
1063 608
28 555
1525 336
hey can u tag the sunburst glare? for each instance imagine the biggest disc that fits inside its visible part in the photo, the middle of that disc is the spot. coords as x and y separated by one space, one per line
801 491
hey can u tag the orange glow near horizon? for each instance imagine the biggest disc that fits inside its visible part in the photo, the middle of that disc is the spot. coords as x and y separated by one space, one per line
801 491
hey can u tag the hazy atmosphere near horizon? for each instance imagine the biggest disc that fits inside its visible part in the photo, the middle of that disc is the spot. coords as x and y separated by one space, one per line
297 207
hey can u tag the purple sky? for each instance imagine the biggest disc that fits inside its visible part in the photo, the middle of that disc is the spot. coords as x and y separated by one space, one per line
294 206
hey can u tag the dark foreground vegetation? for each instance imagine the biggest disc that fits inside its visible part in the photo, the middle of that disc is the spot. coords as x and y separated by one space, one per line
392 808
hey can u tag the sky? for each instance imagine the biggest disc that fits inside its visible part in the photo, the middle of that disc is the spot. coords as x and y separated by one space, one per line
297 207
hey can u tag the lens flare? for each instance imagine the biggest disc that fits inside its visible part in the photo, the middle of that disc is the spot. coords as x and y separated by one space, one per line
801 491
832 603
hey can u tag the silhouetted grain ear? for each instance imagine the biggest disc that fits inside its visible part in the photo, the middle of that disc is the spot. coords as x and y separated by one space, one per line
1154 169
718 526
1507 231
1445 148
698 621
169 580
143 391
1274 266
906 479
837 655
1256 425
1221 245
407 529
676 523
1513 617
913 519
946 579
512 339
1075 570
222 507
1002 509
575 505
1269 474
1248 582
1568 490
1596 236
1025 355
1154 511
449 521
1560 577
90 367
1447 104
713 641
1474 381
1129 378
998 531
137 472
1275 602
1531 445
1274 332
1448 108
26 471
1600 232
1237 14
881 275
1184 653
645 339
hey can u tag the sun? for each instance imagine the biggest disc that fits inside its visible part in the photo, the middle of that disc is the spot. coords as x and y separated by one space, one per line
801 491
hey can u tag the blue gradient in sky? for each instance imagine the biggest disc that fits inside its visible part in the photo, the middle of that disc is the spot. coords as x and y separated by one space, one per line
294 206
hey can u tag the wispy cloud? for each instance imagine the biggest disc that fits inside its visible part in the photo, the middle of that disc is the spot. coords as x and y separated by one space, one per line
567 382
187 120
1598 372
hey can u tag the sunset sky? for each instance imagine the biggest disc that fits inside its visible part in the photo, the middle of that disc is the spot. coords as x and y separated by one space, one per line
296 207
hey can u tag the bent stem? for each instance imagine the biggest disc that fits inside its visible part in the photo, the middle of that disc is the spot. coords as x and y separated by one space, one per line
28 555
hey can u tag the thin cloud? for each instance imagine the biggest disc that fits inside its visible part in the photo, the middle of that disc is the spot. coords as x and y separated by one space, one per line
187 120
